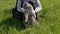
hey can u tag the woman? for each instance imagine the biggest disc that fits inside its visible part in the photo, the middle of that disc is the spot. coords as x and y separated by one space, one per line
35 3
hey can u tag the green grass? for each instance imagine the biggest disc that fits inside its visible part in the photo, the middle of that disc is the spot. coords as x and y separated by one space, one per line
49 19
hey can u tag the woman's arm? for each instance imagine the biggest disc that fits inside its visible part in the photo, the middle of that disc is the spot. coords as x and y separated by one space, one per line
19 8
38 6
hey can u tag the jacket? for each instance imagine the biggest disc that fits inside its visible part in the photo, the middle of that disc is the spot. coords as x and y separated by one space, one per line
36 2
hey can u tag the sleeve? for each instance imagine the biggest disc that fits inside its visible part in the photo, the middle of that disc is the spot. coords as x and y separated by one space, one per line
19 6
38 6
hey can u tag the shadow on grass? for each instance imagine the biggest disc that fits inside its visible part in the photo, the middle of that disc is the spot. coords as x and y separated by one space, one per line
11 23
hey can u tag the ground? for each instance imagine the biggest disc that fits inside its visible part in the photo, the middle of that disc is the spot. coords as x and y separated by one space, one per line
48 17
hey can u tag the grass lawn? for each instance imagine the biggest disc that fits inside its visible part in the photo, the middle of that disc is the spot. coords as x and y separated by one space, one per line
49 19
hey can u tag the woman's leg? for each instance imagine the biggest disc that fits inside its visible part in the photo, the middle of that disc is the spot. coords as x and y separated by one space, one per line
36 17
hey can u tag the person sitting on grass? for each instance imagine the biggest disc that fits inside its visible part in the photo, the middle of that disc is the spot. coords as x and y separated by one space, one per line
35 3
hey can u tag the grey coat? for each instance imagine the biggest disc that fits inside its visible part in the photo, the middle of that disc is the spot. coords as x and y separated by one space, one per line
37 3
